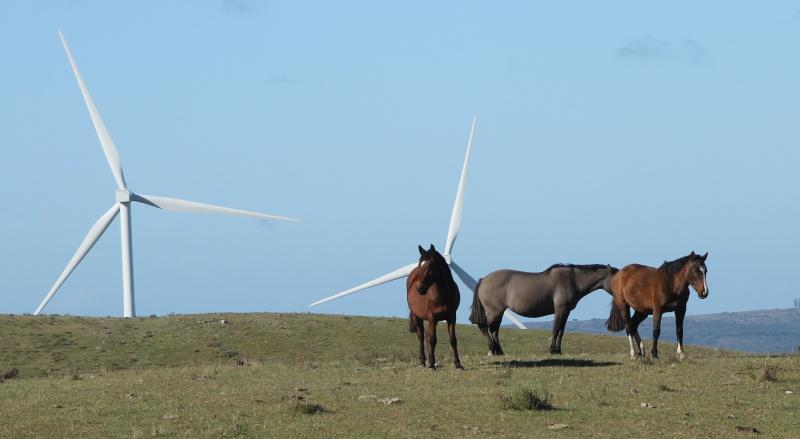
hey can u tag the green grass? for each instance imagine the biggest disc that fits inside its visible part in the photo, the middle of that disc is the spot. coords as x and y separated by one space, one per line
305 375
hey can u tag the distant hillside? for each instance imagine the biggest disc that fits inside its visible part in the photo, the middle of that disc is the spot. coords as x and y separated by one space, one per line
763 331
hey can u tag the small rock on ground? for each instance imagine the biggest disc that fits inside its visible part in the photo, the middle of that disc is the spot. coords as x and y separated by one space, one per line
390 401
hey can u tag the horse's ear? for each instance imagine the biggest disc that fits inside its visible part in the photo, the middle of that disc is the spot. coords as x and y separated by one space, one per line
692 255
432 248
704 257
421 250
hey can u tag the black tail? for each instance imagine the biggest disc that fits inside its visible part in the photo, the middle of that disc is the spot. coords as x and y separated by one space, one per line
615 322
478 315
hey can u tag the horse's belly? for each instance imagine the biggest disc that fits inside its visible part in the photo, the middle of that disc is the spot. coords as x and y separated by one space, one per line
533 307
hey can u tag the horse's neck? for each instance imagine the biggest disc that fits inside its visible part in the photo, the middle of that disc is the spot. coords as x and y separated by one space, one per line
444 282
679 282
588 281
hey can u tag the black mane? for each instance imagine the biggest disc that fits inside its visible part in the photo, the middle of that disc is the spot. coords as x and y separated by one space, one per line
591 267
673 267
445 271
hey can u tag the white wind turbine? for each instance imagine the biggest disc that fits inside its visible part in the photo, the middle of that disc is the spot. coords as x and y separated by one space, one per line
452 234
122 206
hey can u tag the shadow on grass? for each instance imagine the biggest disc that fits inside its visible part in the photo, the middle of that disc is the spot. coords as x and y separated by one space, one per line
557 362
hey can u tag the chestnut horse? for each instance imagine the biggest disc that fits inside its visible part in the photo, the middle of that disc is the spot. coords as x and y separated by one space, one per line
432 296
650 290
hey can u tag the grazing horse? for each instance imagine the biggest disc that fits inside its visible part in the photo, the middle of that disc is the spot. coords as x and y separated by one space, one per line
650 290
432 296
556 290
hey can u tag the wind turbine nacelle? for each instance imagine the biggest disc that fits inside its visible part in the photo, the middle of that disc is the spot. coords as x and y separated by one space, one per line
123 196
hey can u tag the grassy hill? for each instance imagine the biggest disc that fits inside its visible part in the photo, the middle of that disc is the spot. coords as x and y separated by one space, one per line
306 375
764 331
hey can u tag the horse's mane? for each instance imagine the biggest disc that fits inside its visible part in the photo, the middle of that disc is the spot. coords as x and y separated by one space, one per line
673 267
590 267
445 273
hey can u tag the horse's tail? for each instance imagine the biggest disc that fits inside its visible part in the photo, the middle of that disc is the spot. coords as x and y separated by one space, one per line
615 322
478 315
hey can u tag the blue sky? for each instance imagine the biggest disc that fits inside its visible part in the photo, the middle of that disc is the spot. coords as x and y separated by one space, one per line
608 132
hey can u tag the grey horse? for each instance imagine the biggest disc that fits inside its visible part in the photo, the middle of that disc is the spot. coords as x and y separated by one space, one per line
556 290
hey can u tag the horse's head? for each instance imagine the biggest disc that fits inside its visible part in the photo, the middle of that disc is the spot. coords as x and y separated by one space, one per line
432 264
696 274
610 272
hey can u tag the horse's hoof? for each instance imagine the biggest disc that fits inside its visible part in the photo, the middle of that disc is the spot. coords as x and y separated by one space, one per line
459 366
490 354
432 367
681 356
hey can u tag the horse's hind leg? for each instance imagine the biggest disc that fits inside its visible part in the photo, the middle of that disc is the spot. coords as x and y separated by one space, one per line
420 329
432 343
489 340
656 332
494 344
625 312
636 320
494 330
451 330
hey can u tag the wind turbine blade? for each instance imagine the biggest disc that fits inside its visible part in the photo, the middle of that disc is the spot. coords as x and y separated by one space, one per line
112 156
91 238
458 206
468 280
397 274
178 205
510 316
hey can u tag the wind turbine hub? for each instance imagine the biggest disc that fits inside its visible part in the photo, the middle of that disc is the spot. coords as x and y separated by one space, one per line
123 196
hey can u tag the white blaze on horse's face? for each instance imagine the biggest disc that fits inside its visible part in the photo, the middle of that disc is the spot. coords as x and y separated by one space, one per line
705 280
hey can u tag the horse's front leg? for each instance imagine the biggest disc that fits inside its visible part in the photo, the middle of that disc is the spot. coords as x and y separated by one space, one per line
431 343
679 315
451 331
421 337
562 315
656 331
554 337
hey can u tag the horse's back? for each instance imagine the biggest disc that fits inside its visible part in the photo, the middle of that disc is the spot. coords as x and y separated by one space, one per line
636 285
631 273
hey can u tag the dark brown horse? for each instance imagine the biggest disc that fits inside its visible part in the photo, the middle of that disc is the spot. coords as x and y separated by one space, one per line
432 296
655 291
